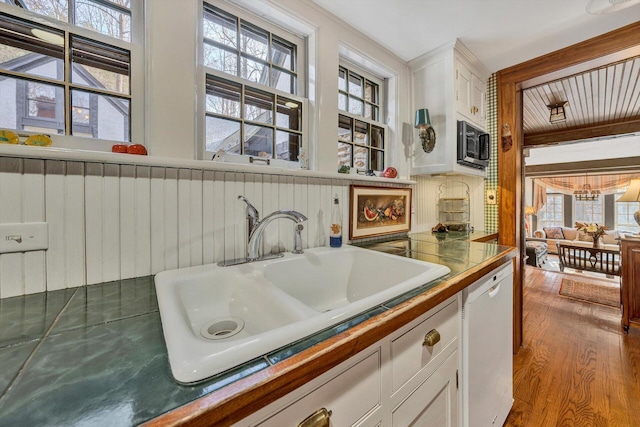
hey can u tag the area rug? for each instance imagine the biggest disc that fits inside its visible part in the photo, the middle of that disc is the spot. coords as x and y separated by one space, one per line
590 292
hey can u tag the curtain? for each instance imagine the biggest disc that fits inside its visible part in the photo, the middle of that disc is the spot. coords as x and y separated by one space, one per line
539 196
607 184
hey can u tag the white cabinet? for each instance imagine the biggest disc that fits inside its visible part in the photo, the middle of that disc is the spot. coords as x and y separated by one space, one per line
408 375
434 402
451 83
470 95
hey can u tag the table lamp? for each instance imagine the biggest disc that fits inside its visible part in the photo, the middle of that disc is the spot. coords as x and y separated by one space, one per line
632 195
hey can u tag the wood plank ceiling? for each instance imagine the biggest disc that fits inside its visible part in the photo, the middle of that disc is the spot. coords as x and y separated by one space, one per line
602 101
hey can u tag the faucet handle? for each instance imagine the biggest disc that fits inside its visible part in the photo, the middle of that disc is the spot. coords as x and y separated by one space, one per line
298 240
252 212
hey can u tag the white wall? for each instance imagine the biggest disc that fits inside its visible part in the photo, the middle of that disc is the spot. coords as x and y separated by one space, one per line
173 130
110 222
428 190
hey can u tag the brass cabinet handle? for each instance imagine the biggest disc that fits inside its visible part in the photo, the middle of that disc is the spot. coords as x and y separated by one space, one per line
320 418
432 338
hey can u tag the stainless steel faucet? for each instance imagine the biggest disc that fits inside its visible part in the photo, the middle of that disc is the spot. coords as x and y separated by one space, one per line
255 238
255 228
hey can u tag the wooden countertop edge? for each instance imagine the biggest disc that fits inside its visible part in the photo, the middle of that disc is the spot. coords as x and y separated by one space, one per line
487 238
236 401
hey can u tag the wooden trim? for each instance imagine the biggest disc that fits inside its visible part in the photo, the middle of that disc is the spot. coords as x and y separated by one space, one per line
576 134
615 166
510 112
487 238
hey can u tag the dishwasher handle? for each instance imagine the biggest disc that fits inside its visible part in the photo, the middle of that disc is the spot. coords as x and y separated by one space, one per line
495 289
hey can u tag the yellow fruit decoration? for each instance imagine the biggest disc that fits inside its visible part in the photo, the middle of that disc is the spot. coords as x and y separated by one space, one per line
8 137
39 140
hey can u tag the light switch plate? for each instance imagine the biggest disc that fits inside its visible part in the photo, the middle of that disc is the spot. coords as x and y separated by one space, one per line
24 237
491 197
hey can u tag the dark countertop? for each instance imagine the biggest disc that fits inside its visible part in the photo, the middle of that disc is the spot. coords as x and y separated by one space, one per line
95 355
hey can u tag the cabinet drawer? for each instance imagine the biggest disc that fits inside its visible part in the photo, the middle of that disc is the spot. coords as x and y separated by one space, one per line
350 396
409 354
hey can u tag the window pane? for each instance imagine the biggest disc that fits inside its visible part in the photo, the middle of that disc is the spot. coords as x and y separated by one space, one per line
377 137
103 19
342 79
258 141
109 116
289 114
258 106
356 106
254 71
371 92
360 155
287 145
282 55
355 85
45 102
56 9
344 154
223 97
99 65
31 49
220 28
80 107
344 128
220 59
254 42
342 102
222 134
361 133
377 160
283 81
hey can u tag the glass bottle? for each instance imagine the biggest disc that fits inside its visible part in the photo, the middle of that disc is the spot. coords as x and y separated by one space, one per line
335 238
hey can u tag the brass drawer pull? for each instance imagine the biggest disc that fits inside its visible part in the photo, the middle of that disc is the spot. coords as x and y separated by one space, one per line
432 338
320 418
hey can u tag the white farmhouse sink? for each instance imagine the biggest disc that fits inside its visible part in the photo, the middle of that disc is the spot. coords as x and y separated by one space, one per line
215 318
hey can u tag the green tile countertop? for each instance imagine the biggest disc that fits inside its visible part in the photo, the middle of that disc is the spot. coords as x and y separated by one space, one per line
96 355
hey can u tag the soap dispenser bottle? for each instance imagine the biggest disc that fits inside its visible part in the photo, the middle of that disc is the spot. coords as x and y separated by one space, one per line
335 239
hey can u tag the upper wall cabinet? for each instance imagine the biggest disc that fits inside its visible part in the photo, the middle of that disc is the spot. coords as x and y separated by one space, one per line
471 93
451 83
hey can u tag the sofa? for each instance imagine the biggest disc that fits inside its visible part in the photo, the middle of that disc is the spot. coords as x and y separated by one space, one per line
573 236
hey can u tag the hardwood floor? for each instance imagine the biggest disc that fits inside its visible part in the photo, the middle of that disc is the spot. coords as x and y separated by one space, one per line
576 367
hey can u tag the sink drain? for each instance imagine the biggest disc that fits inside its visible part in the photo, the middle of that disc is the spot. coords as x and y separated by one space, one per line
220 329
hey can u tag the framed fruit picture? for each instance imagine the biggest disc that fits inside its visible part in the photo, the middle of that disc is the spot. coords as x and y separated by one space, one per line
375 211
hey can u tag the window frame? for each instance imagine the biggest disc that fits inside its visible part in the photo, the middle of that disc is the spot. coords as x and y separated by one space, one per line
590 204
381 83
541 223
135 126
631 207
276 34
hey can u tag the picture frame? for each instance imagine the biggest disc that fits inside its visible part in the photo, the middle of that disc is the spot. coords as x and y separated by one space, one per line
376 211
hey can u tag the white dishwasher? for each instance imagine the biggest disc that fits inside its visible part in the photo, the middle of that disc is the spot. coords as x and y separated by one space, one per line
487 350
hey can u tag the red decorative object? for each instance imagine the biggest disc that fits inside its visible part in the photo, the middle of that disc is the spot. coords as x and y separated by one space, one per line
390 172
137 149
119 148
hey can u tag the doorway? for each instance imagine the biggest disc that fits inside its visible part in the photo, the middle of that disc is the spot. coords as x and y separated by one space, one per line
600 50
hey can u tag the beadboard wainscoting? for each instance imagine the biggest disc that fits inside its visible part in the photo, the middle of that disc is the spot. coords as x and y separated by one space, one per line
427 193
114 221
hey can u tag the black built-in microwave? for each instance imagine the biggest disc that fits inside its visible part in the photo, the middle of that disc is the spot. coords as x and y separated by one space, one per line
474 146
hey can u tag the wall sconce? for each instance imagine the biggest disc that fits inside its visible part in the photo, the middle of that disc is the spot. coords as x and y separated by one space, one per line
632 195
426 132
558 114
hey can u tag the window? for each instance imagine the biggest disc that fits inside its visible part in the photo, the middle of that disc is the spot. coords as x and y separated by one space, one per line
624 214
63 80
552 213
589 211
361 135
251 104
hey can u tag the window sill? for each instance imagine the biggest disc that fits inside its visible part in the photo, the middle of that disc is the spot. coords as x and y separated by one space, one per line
54 153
